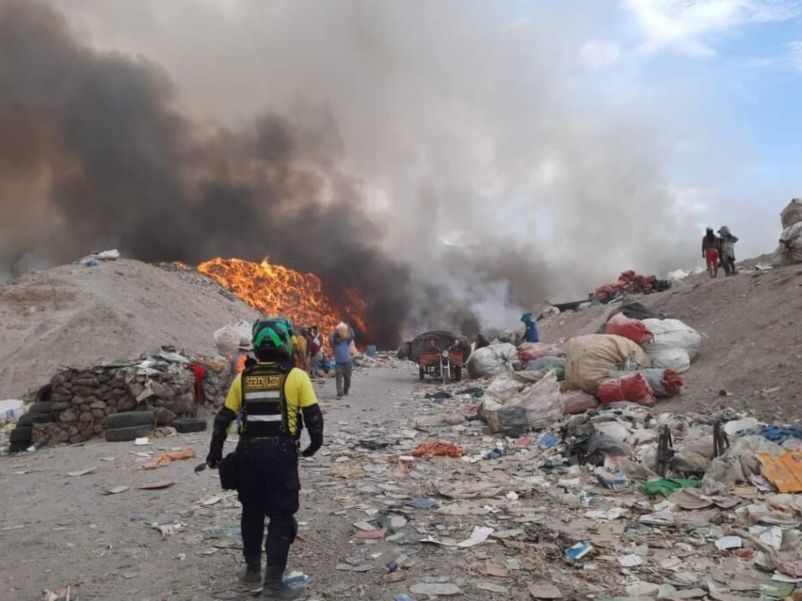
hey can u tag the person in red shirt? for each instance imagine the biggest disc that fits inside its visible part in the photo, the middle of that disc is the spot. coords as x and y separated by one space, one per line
711 252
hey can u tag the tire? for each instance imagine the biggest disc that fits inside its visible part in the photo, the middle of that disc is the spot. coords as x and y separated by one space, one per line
43 407
127 434
21 435
130 419
36 418
420 374
189 424
17 447
458 373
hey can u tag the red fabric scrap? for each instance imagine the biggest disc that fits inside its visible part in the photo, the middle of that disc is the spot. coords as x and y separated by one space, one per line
437 448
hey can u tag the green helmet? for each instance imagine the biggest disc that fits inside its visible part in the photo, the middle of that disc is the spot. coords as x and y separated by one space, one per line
273 333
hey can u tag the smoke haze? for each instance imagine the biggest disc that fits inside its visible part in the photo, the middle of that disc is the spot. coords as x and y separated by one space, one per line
437 157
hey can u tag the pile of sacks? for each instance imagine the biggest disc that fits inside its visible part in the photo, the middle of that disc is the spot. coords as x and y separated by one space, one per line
634 360
629 282
789 250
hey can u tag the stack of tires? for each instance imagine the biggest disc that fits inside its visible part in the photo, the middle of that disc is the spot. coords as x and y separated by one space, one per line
42 412
130 425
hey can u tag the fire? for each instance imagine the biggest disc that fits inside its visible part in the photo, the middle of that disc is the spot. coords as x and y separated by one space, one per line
277 290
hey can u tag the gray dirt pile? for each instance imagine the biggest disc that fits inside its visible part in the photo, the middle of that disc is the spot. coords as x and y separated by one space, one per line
81 316
752 333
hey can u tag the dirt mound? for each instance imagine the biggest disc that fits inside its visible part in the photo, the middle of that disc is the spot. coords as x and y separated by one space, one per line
751 326
81 316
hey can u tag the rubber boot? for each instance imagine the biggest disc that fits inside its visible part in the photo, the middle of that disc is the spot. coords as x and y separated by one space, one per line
275 590
251 575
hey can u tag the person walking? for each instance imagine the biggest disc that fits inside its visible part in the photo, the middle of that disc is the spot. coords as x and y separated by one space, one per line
711 252
531 333
340 340
315 351
728 250
273 401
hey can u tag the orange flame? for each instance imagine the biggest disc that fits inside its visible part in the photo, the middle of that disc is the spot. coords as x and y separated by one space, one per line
277 290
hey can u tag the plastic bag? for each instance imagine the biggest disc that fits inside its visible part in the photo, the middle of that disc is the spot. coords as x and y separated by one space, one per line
792 213
633 329
11 410
532 406
492 360
675 344
227 338
634 388
545 363
577 401
531 351
789 250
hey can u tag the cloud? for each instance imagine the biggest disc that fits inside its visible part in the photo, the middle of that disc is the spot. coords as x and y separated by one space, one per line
688 27
597 54
796 54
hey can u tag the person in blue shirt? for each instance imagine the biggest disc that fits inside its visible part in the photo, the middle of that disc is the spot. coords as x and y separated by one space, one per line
530 335
340 340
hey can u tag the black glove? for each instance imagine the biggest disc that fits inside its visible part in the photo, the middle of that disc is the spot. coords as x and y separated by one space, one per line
213 460
313 420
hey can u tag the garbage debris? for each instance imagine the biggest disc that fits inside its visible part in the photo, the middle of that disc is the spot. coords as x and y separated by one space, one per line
633 329
438 448
168 457
634 388
590 359
516 401
789 250
492 360
675 345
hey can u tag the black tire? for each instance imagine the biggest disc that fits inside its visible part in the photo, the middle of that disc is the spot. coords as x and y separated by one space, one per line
458 373
130 419
36 418
189 424
21 435
420 374
43 407
16 447
127 434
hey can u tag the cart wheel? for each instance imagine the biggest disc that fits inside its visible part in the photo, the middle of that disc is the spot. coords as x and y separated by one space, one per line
458 373
420 374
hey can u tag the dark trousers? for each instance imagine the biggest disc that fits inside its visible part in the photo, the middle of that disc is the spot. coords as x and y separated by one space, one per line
268 488
342 371
728 263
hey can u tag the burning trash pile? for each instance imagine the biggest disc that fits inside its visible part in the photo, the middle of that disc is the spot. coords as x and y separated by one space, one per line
629 282
129 398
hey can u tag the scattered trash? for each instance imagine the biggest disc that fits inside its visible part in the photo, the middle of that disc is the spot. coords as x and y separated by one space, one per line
578 551
630 561
141 442
211 501
160 485
84 472
115 490
167 529
729 542
435 589
783 471
479 535
168 457
60 594
422 503
617 481
665 487
438 448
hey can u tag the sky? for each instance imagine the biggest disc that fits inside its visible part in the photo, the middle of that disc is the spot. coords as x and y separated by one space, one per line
509 152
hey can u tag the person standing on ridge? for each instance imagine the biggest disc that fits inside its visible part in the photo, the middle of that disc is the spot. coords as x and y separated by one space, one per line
711 252
531 334
340 340
315 351
728 250
270 397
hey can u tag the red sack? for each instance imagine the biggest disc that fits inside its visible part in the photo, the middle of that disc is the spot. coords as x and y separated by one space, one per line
634 388
578 401
529 351
634 329
672 382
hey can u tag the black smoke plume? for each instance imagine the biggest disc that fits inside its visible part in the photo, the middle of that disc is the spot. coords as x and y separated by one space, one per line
94 154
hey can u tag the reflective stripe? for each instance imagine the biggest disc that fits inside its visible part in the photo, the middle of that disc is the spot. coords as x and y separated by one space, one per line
267 394
263 418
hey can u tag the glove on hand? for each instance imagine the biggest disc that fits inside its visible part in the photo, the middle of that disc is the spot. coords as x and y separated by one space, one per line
308 451
213 460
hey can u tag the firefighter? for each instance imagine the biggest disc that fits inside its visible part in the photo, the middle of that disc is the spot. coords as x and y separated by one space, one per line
269 398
